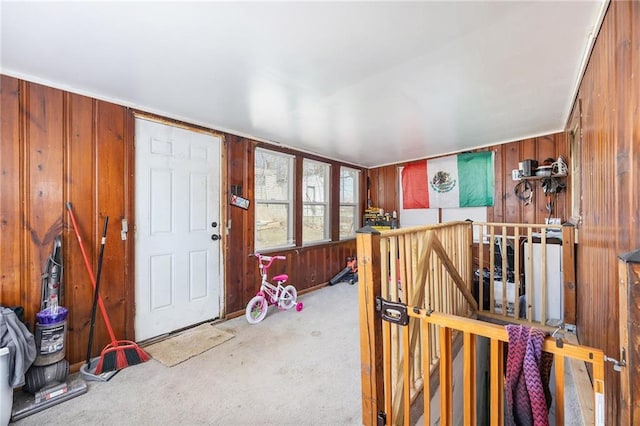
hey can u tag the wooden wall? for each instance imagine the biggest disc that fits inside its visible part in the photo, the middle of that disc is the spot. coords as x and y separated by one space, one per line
610 174
59 147
507 207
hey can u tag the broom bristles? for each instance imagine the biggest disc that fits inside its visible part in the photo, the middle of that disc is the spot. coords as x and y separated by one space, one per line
120 354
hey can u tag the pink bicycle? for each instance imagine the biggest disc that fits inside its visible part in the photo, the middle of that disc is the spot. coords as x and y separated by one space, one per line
269 294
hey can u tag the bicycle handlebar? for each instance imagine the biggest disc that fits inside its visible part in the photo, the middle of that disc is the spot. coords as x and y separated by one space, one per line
262 258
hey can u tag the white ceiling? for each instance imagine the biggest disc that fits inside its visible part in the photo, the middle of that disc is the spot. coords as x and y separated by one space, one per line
370 83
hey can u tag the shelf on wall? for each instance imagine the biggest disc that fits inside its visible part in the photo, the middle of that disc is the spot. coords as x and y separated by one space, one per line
540 177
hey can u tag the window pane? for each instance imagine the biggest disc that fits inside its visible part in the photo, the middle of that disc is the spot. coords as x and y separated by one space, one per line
272 176
349 202
273 199
313 223
349 185
272 225
348 221
315 196
315 181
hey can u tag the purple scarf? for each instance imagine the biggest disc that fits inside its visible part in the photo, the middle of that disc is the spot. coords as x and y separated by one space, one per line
527 384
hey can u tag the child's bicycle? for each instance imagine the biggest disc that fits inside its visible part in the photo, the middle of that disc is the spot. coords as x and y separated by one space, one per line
284 296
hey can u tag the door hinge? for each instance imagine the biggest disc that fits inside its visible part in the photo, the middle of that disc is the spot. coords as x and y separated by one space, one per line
617 365
382 418
394 312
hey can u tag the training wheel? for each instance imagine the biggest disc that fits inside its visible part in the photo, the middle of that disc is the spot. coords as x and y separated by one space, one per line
299 306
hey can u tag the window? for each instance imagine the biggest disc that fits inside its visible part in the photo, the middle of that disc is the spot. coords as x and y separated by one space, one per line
296 198
315 203
349 202
273 199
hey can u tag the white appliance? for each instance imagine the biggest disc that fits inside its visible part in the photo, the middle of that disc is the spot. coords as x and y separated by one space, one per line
555 293
497 297
6 391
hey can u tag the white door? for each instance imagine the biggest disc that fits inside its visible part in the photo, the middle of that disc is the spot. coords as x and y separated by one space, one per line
177 196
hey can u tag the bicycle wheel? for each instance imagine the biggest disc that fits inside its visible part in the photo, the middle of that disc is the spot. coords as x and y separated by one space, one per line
256 309
288 297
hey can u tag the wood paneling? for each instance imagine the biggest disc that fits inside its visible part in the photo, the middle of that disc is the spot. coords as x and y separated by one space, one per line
507 206
240 226
59 147
12 242
80 154
43 148
610 97
384 187
109 195
629 286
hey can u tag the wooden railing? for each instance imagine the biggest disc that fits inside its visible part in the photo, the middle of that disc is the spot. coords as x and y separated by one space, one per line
448 325
431 270
529 269
428 266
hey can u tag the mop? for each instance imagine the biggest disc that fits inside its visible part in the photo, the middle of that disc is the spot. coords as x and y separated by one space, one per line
118 354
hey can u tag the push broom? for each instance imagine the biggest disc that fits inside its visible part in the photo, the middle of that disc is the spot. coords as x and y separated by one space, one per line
118 354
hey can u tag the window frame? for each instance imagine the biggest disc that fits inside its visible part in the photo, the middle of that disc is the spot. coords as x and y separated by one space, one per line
326 226
296 205
290 202
355 205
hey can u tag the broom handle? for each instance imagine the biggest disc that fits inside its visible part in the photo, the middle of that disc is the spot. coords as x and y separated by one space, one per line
96 292
91 276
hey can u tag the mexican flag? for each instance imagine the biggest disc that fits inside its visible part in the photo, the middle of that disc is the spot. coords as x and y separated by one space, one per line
464 180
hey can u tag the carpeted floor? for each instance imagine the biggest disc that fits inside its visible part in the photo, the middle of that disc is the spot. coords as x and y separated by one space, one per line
293 368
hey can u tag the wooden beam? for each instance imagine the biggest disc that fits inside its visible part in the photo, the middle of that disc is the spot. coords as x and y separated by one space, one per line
558 361
406 368
497 386
629 311
569 273
470 416
426 366
446 377
582 384
368 243
448 264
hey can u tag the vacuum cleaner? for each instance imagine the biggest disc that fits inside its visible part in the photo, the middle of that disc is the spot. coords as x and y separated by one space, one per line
47 381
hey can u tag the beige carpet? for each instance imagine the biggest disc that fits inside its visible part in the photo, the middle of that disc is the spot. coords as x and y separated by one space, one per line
181 347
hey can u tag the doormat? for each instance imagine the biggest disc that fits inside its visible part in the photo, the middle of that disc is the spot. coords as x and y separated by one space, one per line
186 345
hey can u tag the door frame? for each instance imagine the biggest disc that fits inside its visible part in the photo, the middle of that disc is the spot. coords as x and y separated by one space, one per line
129 203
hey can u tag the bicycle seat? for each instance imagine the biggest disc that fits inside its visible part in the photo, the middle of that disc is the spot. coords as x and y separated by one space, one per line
281 277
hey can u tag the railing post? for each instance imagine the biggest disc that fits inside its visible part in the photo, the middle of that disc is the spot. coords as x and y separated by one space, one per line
569 273
496 390
369 287
629 302
469 392
469 266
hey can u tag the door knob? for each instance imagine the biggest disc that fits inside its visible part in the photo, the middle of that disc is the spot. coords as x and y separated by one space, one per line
215 237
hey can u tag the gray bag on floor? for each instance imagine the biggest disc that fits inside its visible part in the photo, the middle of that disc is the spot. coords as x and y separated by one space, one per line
15 336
